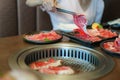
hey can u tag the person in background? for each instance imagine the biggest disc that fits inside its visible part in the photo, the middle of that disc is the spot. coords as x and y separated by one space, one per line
92 9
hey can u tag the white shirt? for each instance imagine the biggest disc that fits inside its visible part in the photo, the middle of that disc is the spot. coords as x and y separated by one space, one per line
93 13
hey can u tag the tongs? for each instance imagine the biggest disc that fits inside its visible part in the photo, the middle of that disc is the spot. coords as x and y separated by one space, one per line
65 11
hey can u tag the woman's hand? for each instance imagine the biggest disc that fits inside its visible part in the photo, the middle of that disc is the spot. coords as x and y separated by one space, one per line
45 5
48 5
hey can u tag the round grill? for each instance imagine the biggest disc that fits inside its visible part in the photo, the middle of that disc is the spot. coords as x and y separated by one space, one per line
89 63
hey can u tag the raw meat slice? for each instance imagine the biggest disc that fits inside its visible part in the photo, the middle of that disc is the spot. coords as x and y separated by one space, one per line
117 43
81 22
45 64
93 32
57 70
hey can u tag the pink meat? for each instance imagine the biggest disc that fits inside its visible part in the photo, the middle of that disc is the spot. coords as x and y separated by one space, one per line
81 22
105 33
89 38
93 32
117 43
45 64
57 70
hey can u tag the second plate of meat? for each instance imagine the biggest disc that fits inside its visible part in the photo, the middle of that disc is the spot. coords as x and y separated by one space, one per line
111 47
43 37
96 35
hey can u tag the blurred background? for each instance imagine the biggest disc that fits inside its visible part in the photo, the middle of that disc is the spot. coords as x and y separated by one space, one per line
17 18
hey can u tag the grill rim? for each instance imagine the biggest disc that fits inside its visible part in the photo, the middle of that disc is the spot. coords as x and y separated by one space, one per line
92 75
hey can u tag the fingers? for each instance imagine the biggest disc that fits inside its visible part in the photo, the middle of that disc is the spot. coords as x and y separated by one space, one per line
49 5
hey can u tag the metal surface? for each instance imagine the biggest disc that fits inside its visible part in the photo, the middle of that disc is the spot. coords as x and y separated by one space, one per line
89 63
65 11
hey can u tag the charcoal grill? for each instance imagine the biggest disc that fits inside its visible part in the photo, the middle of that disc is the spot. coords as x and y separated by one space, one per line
89 64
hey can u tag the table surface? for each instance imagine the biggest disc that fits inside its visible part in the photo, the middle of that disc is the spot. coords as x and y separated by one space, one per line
11 45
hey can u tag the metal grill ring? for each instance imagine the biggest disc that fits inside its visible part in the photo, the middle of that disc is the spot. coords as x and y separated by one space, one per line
88 62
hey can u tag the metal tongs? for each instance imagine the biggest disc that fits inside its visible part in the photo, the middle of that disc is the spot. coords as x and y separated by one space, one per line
66 11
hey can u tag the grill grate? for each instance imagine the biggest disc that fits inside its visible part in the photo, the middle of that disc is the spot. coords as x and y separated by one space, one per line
78 59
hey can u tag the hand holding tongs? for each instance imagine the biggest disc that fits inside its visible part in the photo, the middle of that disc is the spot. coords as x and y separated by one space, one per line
65 11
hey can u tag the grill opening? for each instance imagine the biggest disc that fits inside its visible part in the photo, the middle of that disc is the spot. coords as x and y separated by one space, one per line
78 59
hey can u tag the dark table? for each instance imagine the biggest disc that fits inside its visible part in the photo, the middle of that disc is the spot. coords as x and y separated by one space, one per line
11 45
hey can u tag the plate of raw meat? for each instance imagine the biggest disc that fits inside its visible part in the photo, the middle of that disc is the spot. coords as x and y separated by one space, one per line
95 35
111 47
43 37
